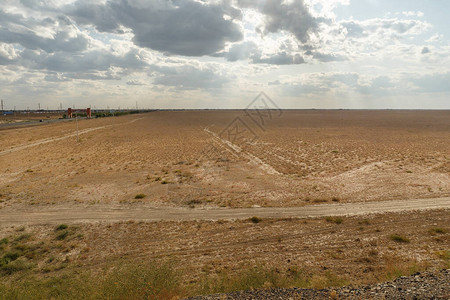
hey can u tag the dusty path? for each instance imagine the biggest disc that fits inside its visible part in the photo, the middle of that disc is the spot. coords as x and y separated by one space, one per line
113 214
55 139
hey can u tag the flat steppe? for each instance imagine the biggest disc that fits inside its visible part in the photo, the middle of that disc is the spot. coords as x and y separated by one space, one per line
233 161
226 159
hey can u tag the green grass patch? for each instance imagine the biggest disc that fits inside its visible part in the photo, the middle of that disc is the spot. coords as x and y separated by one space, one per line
148 281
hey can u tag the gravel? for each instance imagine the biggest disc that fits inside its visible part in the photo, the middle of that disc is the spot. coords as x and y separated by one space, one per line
428 285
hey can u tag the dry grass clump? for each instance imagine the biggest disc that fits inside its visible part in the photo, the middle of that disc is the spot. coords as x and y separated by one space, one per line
399 238
336 220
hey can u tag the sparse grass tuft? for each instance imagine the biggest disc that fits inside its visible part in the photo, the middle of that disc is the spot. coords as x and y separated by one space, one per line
140 196
434 231
398 238
22 237
62 235
15 266
364 222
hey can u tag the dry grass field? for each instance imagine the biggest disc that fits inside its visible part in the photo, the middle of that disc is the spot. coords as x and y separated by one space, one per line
196 160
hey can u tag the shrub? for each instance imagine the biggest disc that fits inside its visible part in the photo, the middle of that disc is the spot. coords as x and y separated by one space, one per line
255 219
336 220
140 196
61 227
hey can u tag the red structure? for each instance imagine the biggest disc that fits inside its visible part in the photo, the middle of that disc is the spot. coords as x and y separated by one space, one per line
70 112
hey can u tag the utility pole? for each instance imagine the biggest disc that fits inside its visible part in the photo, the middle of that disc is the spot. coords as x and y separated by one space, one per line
39 106
2 105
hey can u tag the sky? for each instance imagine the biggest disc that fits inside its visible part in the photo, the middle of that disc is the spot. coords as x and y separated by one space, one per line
356 54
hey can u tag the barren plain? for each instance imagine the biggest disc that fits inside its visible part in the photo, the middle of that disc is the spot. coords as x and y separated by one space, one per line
230 160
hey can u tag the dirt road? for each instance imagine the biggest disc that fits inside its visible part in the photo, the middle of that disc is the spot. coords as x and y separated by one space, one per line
105 213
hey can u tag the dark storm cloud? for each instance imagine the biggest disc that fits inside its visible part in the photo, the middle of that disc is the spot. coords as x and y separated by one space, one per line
293 17
16 29
94 65
188 27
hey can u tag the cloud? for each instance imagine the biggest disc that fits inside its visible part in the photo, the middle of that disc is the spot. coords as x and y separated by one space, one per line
240 51
49 34
432 83
413 13
281 58
190 76
279 15
135 82
336 82
188 27
425 50
95 64
327 57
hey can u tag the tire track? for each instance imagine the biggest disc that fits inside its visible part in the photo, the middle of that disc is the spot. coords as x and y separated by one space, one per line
55 139
238 150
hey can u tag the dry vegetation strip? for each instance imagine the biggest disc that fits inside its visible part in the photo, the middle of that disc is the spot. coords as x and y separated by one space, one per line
162 259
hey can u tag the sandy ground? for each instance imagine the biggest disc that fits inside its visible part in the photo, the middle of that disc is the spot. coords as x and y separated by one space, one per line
227 159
